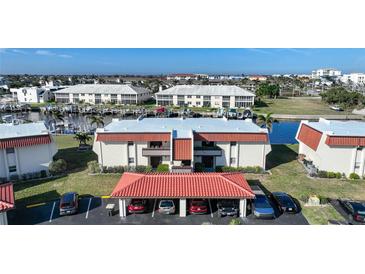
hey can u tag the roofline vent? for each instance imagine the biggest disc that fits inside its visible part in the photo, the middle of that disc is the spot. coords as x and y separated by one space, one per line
140 118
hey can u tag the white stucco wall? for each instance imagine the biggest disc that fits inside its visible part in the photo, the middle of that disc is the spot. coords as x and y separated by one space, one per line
253 154
337 159
113 154
3 218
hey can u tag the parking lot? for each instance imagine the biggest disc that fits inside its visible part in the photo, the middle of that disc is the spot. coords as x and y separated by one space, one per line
92 212
336 204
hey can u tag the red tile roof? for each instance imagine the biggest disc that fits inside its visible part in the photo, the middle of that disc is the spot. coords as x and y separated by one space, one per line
183 185
122 137
309 136
182 149
6 197
232 137
25 141
345 141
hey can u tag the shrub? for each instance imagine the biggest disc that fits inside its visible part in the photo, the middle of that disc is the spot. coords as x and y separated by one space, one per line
58 167
43 173
218 168
3 180
338 175
93 167
229 169
354 176
331 175
247 169
322 174
14 177
323 200
235 222
163 168
199 167
143 169
304 198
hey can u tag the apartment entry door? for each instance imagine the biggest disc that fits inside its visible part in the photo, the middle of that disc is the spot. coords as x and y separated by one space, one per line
155 161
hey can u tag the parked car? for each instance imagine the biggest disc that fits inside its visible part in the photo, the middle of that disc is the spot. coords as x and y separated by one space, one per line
198 206
262 207
228 208
69 203
166 207
137 206
284 202
355 209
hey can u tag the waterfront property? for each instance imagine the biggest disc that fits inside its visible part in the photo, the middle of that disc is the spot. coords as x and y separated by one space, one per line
6 201
205 96
98 94
180 142
32 94
336 146
183 186
25 149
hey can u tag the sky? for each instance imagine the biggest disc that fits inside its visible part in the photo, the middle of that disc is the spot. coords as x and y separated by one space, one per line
164 61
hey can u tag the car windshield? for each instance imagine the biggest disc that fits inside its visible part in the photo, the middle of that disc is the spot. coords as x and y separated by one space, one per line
166 204
358 207
67 199
261 202
285 200
228 203
137 202
198 203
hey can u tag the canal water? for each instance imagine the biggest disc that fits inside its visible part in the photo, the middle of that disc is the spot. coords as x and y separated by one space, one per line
281 133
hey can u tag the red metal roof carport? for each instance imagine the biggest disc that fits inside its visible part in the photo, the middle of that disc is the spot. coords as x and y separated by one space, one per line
6 201
183 186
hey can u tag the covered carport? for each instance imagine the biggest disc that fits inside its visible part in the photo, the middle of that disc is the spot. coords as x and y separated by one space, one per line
6 201
182 186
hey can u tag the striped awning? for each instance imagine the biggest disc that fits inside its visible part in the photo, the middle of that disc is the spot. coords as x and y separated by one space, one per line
309 136
25 141
345 141
6 197
232 137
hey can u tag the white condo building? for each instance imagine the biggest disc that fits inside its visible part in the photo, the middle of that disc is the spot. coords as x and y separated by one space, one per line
336 146
325 72
99 93
353 78
182 142
205 96
32 94
25 148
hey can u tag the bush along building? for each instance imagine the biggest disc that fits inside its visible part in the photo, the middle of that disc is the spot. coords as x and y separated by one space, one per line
335 146
26 150
182 144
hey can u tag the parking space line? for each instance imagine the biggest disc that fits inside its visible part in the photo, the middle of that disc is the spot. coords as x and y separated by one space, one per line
50 218
88 208
210 207
154 207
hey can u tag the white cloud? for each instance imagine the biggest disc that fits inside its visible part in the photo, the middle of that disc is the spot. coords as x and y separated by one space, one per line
44 52
19 51
263 51
64 56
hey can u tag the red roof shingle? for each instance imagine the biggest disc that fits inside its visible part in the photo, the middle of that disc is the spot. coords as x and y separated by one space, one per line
345 141
309 136
6 197
25 141
183 185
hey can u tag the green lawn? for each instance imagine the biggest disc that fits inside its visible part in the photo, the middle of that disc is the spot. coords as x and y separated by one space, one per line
300 105
287 175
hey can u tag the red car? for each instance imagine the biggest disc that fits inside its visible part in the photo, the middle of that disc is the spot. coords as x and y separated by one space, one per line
198 206
137 206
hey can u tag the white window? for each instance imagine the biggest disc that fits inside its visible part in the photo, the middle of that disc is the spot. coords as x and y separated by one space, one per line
9 150
12 168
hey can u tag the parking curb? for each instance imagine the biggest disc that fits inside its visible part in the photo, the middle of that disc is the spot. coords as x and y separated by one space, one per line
105 197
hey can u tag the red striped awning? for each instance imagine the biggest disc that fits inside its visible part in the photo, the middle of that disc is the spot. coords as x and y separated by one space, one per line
232 137
135 137
6 197
183 185
309 136
182 149
25 141
345 141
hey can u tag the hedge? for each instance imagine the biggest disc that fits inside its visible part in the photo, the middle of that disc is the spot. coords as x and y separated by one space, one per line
248 169
354 176
122 169
163 168
58 167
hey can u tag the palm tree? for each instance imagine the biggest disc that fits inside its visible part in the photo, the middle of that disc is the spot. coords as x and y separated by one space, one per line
98 120
82 137
266 121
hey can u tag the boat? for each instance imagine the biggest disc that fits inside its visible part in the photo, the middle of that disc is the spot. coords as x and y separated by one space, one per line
336 108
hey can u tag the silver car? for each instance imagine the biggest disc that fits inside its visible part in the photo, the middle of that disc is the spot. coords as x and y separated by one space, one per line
166 207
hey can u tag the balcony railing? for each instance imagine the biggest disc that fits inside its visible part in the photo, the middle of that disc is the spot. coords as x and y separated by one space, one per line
156 151
207 151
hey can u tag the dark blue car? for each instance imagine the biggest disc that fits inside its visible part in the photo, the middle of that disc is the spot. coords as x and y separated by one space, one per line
262 207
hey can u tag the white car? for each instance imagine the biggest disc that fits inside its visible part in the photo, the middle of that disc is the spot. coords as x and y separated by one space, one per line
166 207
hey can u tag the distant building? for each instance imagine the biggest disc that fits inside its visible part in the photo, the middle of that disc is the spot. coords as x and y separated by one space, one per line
326 72
98 94
182 76
182 142
205 96
257 78
25 148
32 94
336 146
353 78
